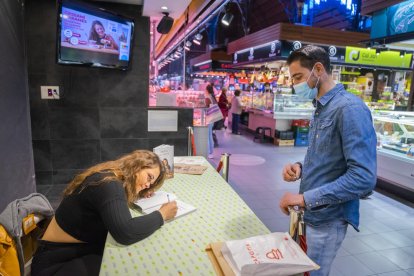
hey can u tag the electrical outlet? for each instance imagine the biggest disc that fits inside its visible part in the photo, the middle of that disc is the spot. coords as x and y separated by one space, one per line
49 92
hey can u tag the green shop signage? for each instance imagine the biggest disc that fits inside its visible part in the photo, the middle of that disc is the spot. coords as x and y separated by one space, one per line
363 56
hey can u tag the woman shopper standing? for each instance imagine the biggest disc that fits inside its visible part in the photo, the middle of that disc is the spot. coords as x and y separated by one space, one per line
223 104
209 100
235 110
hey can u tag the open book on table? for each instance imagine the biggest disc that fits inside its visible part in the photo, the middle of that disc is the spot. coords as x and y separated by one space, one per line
154 203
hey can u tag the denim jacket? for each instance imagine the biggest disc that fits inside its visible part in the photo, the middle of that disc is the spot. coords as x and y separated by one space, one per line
340 163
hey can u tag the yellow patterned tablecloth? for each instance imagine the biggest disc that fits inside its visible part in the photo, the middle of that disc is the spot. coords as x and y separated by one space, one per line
178 248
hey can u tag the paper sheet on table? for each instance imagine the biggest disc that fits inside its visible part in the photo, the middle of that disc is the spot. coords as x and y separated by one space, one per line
189 160
189 169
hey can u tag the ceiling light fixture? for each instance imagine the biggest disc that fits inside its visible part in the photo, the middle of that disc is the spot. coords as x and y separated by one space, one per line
164 8
378 51
197 39
227 17
402 54
187 45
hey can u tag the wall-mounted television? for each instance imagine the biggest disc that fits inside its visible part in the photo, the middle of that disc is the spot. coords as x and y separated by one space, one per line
91 36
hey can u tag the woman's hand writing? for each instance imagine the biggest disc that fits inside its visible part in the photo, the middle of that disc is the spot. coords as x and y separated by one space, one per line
168 210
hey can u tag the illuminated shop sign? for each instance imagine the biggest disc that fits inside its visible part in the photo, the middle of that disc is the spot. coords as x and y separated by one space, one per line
211 65
282 49
265 51
336 53
363 56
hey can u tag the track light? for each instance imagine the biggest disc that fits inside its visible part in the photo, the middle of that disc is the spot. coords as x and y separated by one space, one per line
187 45
402 54
197 39
227 17
378 51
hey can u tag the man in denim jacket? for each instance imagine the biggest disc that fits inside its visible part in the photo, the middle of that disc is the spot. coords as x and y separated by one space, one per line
340 163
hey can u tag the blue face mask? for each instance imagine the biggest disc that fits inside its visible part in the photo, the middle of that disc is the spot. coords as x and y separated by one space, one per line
304 91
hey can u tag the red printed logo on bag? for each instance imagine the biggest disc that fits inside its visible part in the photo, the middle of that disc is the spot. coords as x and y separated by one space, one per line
274 254
252 254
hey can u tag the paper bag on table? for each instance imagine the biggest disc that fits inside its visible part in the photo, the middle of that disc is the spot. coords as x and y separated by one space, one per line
272 254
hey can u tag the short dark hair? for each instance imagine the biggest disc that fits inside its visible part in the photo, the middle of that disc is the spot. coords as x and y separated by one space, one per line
308 56
210 89
237 92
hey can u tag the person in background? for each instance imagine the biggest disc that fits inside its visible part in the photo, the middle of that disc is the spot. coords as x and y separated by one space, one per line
340 164
223 103
212 140
235 110
97 34
96 202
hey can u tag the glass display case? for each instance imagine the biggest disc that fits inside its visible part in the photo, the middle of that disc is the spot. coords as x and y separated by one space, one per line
190 98
395 147
257 100
292 107
199 116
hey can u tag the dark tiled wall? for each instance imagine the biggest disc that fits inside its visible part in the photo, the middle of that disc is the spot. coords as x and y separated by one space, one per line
16 156
102 113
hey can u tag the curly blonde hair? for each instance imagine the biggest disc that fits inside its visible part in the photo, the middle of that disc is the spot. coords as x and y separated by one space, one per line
125 170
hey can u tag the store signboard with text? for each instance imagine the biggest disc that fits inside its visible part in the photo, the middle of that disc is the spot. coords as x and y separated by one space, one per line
364 56
257 53
211 65
336 54
281 50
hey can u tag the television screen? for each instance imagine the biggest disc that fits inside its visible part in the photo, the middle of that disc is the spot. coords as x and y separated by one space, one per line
92 36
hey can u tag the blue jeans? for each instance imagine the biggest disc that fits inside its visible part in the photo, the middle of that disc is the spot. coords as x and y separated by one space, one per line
324 242
235 123
210 139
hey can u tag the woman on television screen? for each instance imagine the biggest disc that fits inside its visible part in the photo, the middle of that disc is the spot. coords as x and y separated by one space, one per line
99 37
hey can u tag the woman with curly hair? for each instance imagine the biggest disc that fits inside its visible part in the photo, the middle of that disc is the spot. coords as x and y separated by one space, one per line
96 202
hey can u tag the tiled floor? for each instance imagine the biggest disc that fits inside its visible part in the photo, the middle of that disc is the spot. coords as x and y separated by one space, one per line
385 245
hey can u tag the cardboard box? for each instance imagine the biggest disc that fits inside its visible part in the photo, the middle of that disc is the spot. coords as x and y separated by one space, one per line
284 143
220 264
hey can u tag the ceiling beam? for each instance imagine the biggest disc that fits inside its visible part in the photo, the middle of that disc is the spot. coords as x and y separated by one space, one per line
370 6
195 7
286 31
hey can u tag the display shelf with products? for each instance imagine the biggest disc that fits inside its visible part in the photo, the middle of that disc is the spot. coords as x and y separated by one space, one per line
395 147
292 107
380 88
257 100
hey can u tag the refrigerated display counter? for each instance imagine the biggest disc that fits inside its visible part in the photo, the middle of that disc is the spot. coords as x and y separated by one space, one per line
395 150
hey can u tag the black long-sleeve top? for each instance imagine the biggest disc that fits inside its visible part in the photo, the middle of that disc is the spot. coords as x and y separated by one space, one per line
94 209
